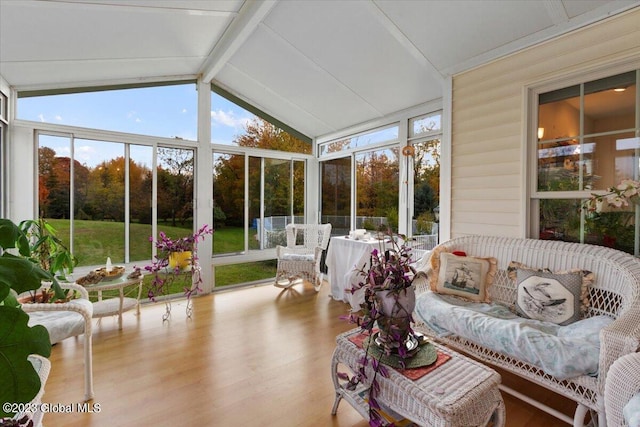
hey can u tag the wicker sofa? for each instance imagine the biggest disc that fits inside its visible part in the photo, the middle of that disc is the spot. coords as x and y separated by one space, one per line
615 292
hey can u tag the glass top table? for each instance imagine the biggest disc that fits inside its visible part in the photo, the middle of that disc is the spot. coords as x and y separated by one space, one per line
117 305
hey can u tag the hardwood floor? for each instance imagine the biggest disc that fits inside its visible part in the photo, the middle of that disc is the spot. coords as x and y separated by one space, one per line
251 357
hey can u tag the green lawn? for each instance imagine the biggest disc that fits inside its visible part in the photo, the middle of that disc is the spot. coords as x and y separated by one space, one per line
97 240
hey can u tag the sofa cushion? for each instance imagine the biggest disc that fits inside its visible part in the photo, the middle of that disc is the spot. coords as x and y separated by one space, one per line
549 297
587 280
464 276
561 352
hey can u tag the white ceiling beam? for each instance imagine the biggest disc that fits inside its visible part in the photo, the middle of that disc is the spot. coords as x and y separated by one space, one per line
249 17
406 43
556 11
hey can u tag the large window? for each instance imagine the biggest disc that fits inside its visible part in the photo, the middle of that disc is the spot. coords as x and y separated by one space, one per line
234 122
361 184
377 184
587 141
106 191
336 194
256 193
97 194
382 135
167 111
425 135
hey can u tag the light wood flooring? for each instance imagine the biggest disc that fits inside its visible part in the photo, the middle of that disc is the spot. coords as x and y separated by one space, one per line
257 356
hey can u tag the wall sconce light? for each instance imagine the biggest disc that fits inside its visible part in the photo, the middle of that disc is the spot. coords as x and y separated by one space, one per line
540 133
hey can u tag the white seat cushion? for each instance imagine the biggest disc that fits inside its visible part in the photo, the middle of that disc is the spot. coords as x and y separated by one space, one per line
298 257
61 324
562 351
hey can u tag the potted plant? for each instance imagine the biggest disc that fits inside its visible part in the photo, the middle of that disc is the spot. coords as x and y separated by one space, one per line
621 196
48 251
18 274
610 215
174 257
389 299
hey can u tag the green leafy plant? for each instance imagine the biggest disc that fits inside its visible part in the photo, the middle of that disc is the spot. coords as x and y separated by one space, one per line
47 249
18 274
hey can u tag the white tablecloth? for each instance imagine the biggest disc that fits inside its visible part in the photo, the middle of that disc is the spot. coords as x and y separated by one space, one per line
344 256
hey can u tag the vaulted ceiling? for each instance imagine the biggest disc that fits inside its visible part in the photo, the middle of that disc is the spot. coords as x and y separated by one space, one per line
317 65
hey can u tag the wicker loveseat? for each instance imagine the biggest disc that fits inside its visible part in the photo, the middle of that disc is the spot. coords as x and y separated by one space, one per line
615 292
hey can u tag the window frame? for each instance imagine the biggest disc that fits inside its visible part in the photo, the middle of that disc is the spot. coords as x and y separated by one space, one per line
4 125
531 203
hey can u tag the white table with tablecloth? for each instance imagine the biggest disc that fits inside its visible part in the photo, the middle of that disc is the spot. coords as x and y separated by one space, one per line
344 256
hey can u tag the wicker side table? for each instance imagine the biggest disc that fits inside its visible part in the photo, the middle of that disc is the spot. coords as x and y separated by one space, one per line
460 392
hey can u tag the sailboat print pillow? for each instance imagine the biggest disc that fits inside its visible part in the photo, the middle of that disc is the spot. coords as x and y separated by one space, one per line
549 297
466 276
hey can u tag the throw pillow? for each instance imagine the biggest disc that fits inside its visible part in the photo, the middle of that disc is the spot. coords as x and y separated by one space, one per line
587 280
434 270
549 297
465 276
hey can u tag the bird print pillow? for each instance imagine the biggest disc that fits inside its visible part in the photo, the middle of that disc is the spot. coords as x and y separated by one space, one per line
588 278
549 297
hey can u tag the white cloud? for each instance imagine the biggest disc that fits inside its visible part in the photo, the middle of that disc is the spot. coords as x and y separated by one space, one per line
228 118
41 117
58 118
133 115
184 111
84 154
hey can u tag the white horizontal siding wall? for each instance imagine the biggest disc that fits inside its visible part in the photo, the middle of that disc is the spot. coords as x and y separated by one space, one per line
488 126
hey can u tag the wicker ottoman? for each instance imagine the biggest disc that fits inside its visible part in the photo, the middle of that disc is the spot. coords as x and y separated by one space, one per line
459 392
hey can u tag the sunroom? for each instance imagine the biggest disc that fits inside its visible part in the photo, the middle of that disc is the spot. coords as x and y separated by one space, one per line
121 120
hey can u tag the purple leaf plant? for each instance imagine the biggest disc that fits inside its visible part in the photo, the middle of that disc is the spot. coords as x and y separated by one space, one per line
390 270
163 274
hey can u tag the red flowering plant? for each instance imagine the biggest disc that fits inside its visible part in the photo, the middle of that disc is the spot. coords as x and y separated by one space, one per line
388 272
164 273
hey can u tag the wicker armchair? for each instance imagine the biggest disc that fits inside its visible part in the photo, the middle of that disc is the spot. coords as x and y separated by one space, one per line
301 258
623 383
66 320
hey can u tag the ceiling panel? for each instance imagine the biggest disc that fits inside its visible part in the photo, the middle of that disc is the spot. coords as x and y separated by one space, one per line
268 59
319 66
96 42
446 36
350 43
279 107
576 8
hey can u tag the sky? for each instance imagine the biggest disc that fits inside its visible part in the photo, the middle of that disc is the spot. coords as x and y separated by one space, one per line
167 111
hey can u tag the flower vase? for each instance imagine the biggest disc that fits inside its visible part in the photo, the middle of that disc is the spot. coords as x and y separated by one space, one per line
180 260
394 321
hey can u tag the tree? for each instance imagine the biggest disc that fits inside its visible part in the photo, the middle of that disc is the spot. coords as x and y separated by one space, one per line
229 174
259 133
377 182
175 184
426 176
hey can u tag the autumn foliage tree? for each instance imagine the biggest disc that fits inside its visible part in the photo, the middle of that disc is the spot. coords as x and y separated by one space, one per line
229 173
